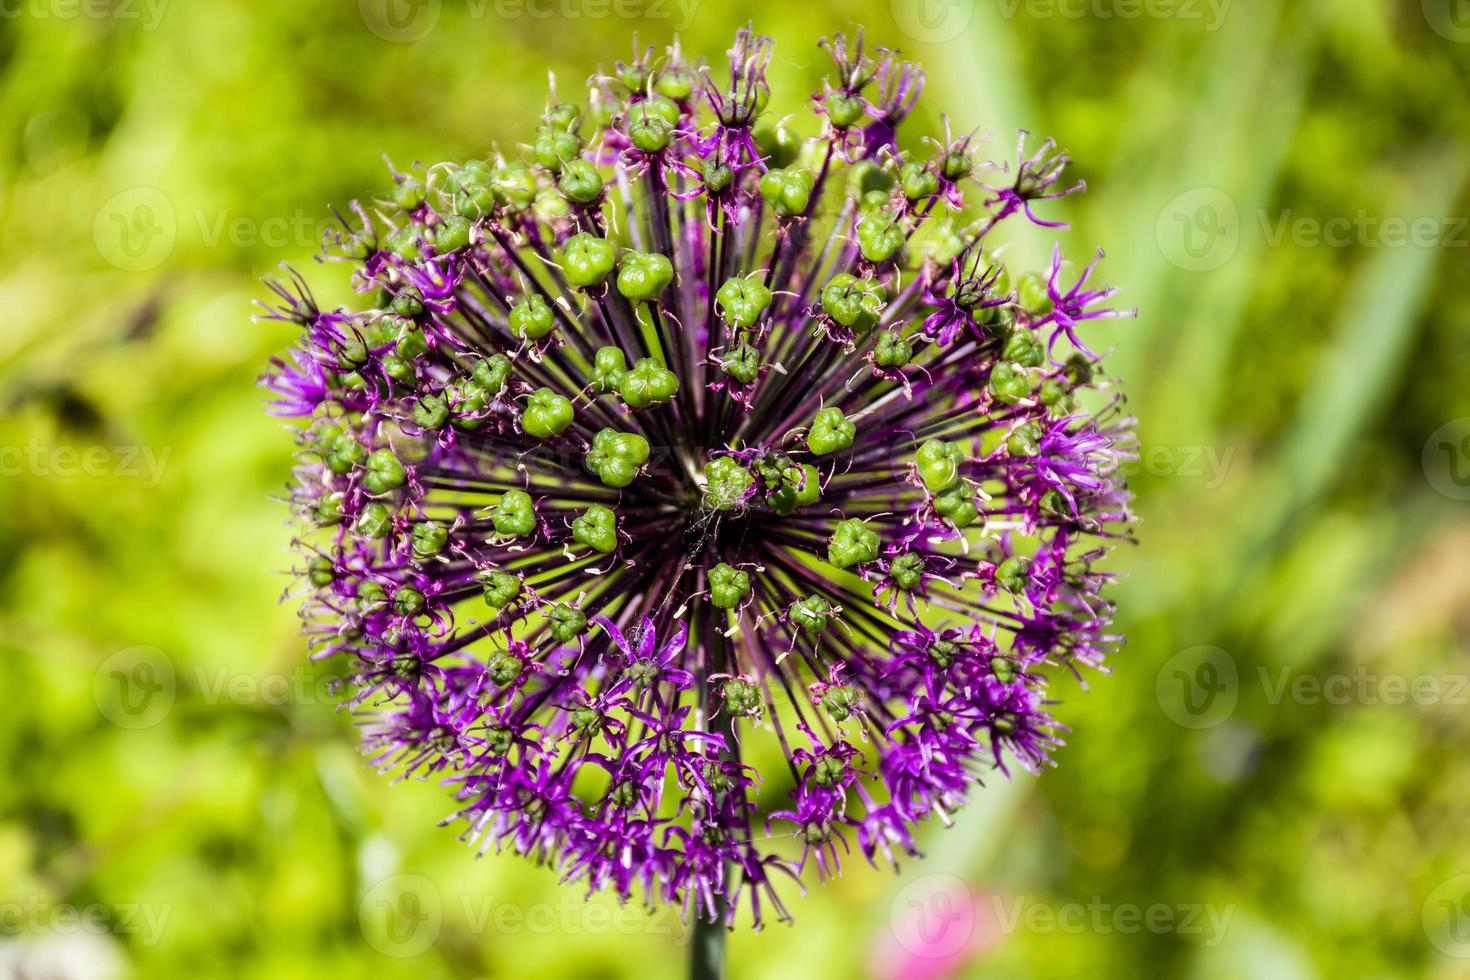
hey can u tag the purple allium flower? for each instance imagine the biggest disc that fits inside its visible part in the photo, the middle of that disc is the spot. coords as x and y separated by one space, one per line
670 431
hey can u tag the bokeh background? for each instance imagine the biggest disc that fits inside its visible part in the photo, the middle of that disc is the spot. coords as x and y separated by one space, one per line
1273 783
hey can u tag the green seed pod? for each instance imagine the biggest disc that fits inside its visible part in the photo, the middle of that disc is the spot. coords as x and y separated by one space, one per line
939 464
608 367
615 457
880 237
786 191
501 588
429 539
743 301
830 431
853 302
597 528
566 622
892 350
643 276
852 543
546 414
532 318
1013 574
514 515
647 383
580 182
728 586
587 260
727 484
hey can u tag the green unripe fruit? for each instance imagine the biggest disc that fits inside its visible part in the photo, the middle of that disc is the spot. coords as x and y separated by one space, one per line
452 235
597 528
587 260
514 515
412 344
643 276
650 135
1013 574
853 302
957 507
370 595
939 464
892 350
1032 295
907 571
515 186
727 484
328 509
532 318
830 431
555 147
845 111
608 367
616 456
1025 440
1024 348
956 165
492 373
580 182
562 116
410 302
501 588
429 538
1009 383
397 368
811 614
647 383
786 191
779 145
717 176
504 668
918 181
546 414
566 622
384 472
742 698
675 83
879 237
742 363
727 586
375 521
405 242
841 702
743 301
852 543
408 601
320 571
408 194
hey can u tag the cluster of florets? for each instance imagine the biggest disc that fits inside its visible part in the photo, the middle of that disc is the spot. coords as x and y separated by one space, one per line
672 430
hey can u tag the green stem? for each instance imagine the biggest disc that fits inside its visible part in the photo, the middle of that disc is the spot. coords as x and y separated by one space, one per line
707 949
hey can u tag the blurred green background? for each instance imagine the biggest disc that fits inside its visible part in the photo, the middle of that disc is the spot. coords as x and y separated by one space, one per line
1271 784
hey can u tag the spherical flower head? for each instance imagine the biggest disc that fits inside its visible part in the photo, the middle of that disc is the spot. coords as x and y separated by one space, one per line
682 427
